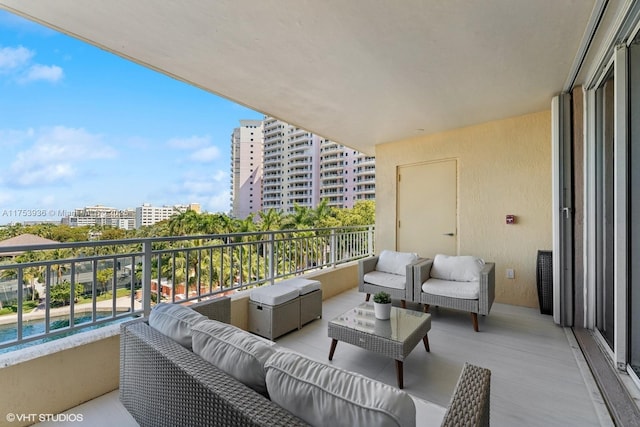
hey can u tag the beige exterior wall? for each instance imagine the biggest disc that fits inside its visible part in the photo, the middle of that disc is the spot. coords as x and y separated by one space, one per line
504 167
53 383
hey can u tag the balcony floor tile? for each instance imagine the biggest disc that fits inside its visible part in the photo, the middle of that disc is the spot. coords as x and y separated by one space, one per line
538 376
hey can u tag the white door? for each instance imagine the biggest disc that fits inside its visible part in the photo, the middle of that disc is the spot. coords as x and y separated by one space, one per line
427 214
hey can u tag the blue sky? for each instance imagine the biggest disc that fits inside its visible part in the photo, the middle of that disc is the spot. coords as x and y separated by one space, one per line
80 127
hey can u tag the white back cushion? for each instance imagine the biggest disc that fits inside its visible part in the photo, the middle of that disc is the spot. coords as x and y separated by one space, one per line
462 268
175 321
238 353
324 395
395 262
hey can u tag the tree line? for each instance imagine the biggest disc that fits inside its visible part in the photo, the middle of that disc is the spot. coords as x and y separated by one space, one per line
193 223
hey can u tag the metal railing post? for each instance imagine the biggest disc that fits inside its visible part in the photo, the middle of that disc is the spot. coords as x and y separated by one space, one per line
370 240
146 277
271 257
333 246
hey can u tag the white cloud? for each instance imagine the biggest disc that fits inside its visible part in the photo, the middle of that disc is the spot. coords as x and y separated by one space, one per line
11 137
218 202
199 187
17 63
5 197
51 73
203 150
205 155
205 189
220 176
14 58
189 143
57 155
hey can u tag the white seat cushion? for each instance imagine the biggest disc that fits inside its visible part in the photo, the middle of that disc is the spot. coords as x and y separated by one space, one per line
459 268
238 353
324 395
395 262
274 295
175 321
451 288
387 280
305 286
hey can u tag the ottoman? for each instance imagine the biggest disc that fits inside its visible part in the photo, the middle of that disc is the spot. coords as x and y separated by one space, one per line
310 298
274 310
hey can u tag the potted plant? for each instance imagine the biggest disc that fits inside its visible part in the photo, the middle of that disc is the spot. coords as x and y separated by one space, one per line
382 305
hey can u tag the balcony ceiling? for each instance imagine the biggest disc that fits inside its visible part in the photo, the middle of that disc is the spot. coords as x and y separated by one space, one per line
360 72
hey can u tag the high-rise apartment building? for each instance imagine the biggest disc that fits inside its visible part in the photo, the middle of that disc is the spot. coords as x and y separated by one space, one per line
273 158
346 175
291 166
301 168
246 168
365 177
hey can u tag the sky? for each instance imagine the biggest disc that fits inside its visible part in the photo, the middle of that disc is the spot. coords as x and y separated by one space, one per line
82 127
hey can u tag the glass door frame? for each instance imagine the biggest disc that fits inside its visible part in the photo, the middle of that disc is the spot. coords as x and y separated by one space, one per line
619 62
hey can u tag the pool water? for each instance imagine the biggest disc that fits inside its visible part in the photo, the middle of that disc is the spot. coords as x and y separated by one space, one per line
9 332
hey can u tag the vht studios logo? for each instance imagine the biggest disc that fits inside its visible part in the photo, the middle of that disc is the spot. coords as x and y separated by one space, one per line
33 418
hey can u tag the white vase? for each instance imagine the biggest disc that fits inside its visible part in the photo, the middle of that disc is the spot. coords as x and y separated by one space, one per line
382 311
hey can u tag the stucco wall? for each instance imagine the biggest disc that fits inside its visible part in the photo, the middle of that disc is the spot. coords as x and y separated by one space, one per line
504 167
58 380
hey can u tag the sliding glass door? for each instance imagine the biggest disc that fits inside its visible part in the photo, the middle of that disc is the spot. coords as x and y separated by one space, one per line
634 209
605 209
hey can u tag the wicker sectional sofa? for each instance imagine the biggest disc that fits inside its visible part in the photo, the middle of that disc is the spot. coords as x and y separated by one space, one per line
163 383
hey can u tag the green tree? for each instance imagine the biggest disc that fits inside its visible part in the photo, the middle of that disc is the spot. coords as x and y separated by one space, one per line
32 273
112 233
324 216
104 277
362 213
269 220
59 254
300 218
60 294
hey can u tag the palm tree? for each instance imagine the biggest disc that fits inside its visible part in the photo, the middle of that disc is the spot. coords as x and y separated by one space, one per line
323 215
269 220
188 222
60 268
299 219
34 272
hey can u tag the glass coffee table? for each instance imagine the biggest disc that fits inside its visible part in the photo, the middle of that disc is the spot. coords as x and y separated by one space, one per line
394 338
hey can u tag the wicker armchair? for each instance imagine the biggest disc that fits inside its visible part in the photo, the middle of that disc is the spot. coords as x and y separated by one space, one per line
391 272
476 297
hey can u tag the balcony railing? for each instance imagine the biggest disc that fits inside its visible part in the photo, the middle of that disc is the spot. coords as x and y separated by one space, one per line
99 282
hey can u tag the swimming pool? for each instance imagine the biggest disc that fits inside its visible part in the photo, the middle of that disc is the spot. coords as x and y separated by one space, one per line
9 332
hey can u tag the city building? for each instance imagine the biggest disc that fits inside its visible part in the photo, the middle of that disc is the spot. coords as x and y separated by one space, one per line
246 168
346 175
297 168
148 215
101 216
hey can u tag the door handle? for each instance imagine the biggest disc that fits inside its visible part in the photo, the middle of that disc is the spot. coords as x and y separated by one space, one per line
449 234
